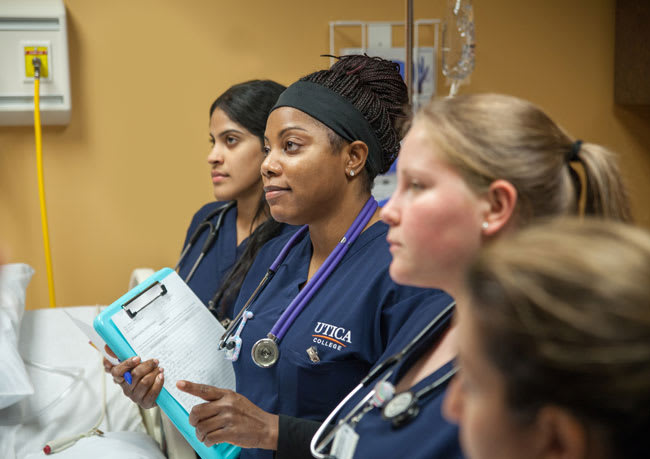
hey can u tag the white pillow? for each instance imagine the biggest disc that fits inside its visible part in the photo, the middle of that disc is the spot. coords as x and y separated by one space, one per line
14 382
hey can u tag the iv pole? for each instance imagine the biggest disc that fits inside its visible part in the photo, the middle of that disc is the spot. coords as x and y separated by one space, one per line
408 68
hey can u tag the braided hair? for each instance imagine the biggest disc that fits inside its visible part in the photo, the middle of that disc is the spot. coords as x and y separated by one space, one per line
376 89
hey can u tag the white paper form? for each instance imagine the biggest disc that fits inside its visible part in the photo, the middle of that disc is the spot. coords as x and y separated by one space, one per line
179 331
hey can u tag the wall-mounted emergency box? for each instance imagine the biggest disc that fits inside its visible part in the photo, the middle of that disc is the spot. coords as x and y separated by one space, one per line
29 29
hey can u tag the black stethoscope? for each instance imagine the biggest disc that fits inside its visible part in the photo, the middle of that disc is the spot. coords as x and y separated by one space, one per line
399 409
213 232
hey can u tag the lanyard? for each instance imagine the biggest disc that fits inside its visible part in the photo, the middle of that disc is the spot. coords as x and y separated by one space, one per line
209 241
382 394
265 351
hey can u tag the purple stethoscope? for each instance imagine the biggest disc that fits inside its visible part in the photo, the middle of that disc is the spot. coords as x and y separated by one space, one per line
265 351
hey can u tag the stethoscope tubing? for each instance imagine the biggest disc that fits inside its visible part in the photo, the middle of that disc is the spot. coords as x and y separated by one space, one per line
209 241
328 438
296 306
299 303
374 373
267 277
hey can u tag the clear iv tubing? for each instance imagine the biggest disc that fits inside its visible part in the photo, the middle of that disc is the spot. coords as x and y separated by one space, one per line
77 378
59 444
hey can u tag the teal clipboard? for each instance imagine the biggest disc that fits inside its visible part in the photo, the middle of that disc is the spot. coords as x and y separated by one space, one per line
104 325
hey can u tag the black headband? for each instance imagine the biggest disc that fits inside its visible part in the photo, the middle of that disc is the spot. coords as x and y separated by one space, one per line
335 112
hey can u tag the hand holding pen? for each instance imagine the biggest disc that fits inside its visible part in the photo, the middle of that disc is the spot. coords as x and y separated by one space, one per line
113 360
147 379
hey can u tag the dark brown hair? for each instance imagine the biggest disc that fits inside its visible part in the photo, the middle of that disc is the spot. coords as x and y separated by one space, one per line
376 89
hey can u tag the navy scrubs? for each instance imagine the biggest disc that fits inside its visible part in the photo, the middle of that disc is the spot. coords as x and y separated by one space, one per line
426 436
220 258
349 321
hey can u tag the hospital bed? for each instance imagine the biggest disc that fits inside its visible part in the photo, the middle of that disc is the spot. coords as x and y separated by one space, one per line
70 391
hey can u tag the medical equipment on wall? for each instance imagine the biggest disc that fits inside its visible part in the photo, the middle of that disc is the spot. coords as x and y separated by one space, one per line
458 43
398 408
213 232
28 29
376 40
37 63
265 352
34 51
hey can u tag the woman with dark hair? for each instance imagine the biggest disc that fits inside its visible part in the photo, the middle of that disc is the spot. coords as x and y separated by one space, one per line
318 326
554 345
240 214
237 122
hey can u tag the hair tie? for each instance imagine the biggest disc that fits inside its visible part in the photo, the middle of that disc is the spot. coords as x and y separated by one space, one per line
573 153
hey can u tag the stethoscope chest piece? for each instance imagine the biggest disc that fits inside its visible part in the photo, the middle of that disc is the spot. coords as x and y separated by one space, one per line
265 352
401 409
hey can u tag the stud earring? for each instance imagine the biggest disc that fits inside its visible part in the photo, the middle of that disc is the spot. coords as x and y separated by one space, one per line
351 173
485 225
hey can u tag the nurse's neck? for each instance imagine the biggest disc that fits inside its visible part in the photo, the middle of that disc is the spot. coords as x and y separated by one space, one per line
246 212
326 232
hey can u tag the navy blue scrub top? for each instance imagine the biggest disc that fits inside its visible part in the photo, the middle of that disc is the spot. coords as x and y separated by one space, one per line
428 435
350 321
220 258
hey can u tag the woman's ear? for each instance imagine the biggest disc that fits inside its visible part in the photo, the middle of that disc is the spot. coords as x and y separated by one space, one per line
356 156
561 435
502 199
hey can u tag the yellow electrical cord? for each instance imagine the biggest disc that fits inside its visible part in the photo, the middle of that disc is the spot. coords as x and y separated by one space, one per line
41 186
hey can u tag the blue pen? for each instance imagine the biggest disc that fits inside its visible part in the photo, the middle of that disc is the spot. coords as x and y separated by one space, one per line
127 377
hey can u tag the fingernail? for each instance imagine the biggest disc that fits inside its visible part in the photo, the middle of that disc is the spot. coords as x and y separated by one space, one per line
135 359
159 377
161 369
155 361
181 384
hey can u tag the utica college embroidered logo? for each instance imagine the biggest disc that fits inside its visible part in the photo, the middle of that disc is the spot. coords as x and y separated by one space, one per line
331 336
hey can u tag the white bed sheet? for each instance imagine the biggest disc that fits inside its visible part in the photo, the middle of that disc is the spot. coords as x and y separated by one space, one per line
48 337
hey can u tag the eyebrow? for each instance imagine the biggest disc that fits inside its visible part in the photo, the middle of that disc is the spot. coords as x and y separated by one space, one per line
229 131
288 128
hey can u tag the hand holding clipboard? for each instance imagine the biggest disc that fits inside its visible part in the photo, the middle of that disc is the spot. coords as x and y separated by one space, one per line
162 318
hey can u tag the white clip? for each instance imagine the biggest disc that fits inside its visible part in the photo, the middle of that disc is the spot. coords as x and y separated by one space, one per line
233 343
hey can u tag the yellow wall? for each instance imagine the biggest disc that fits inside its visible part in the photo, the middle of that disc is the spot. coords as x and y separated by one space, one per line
125 176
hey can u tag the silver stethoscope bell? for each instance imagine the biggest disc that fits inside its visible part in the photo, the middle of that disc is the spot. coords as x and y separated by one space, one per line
265 352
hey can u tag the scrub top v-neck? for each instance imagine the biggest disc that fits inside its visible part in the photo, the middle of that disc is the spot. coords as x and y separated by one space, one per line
347 324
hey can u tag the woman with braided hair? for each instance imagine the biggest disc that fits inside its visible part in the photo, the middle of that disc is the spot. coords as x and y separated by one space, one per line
308 335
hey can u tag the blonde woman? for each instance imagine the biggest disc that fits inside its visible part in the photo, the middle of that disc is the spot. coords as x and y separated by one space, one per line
554 345
472 169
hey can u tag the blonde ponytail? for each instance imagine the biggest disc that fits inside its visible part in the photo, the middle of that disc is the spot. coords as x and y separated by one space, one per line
606 195
487 137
